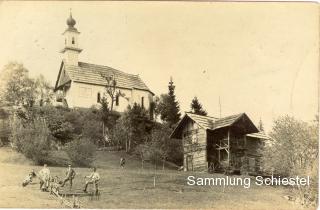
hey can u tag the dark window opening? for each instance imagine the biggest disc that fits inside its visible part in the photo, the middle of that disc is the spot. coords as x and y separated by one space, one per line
151 110
73 40
98 98
142 102
117 100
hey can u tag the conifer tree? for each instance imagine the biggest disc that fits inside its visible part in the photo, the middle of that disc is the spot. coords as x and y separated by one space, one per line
197 108
169 106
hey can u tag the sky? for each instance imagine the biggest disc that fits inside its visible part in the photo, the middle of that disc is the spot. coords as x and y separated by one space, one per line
258 58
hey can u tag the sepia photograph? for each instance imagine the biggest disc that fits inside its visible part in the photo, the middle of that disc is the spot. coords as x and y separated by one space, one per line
159 105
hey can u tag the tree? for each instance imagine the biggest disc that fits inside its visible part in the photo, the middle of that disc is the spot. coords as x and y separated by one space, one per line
139 123
111 90
293 145
44 90
169 107
293 152
121 134
196 107
160 142
18 89
16 86
109 117
133 127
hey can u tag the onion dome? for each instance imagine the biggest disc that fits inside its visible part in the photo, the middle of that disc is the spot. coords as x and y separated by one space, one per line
70 21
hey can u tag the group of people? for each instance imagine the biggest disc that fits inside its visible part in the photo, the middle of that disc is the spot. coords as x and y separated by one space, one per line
46 180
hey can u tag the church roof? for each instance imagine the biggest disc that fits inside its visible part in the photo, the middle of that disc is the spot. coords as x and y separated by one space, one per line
94 74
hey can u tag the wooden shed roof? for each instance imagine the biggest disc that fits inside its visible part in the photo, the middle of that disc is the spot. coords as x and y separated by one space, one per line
211 123
205 122
259 135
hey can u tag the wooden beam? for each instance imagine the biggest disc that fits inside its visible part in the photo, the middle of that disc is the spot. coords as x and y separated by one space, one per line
222 147
245 140
229 147
64 200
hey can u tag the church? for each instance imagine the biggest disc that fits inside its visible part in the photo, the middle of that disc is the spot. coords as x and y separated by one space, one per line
83 85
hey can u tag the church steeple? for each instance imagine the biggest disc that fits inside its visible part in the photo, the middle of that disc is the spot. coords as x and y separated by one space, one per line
70 21
71 48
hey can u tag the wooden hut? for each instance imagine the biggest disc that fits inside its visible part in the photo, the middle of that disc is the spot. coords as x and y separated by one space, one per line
220 144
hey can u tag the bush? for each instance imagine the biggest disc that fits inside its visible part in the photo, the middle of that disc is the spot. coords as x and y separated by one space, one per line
67 124
57 158
294 152
92 129
175 151
32 140
81 152
60 128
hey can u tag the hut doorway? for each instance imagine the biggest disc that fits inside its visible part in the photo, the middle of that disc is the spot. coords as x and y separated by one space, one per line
189 163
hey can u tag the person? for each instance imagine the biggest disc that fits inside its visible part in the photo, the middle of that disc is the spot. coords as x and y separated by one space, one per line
55 184
70 174
94 178
29 178
122 162
44 176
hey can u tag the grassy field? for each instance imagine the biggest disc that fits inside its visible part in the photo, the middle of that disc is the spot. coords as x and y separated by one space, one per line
133 187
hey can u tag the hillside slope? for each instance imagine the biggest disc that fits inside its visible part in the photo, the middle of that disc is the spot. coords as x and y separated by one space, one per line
133 187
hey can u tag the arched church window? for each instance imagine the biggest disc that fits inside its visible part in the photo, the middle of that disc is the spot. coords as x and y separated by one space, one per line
98 97
73 40
117 100
142 102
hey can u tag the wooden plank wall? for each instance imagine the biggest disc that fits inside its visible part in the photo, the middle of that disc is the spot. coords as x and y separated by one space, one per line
198 152
254 146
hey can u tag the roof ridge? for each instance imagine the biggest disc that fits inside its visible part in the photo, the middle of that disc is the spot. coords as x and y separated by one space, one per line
201 115
233 115
110 68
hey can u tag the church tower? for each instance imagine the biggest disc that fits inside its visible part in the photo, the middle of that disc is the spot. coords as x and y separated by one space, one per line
71 48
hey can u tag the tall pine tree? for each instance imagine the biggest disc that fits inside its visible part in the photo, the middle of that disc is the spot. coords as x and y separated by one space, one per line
197 108
169 106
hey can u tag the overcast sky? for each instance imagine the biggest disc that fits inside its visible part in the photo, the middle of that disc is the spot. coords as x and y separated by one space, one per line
260 58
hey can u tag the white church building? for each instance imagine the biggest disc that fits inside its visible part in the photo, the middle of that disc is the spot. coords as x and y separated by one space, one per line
82 84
